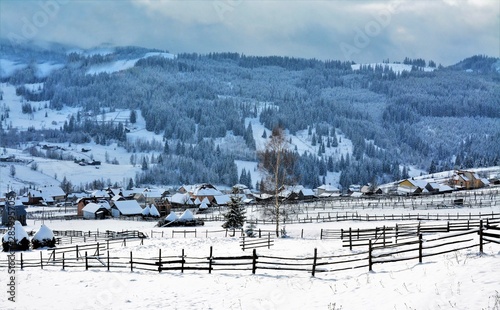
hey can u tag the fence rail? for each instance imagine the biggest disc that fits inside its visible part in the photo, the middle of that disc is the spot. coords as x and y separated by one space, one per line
253 243
419 248
393 234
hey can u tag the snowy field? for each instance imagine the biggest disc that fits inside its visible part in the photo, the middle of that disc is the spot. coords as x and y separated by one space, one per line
460 280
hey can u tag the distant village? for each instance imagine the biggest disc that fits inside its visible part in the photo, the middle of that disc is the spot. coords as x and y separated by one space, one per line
158 202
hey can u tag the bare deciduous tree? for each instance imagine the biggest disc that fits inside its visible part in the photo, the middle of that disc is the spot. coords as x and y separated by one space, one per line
277 165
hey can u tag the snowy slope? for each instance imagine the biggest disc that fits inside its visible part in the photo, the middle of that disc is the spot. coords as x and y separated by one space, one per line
124 64
397 68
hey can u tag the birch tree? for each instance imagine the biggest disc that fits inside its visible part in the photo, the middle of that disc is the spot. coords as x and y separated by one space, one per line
276 162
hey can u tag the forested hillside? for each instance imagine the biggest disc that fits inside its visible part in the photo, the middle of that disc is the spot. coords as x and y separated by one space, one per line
437 118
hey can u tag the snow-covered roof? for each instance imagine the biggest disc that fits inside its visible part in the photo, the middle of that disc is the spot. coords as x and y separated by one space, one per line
485 181
307 192
207 192
182 199
418 183
93 207
328 188
329 194
220 200
99 193
52 191
128 207
203 206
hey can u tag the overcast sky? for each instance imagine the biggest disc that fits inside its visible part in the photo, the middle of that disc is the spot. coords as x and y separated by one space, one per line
445 31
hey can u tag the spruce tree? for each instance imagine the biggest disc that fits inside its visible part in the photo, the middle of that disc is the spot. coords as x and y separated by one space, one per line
235 215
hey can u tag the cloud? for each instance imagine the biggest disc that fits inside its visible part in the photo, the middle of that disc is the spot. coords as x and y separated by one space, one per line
443 30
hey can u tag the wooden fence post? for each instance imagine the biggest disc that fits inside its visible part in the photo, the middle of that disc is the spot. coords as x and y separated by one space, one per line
420 248
210 260
350 238
131 263
41 260
21 260
370 263
254 261
63 261
77 252
481 236
97 249
182 261
314 261
86 261
159 260
321 234
108 260
268 240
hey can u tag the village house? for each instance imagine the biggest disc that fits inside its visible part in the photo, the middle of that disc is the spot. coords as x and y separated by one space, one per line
412 187
467 180
201 191
126 208
325 191
95 211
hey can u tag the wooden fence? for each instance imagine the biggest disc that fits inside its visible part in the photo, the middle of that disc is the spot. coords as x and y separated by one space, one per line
95 256
76 236
253 243
386 235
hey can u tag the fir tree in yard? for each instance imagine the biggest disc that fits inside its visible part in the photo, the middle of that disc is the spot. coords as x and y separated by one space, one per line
235 215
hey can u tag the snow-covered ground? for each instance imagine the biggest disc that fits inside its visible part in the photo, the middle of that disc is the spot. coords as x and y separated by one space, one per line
397 68
462 280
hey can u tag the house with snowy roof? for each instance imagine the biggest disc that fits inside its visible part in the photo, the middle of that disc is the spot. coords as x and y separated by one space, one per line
100 194
438 188
201 191
180 200
412 187
33 197
306 194
95 211
466 180
53 194
126 208
325 191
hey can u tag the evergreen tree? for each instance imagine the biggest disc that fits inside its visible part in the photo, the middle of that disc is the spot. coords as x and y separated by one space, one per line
432 168
133 116
235 215
130 184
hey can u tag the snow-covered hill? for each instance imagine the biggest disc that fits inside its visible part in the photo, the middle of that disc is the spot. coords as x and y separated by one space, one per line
124 64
